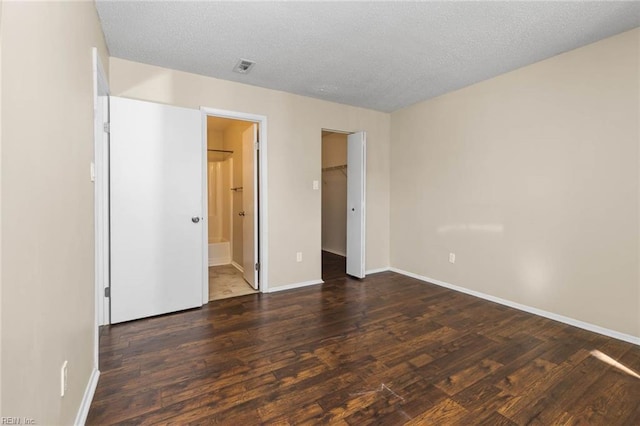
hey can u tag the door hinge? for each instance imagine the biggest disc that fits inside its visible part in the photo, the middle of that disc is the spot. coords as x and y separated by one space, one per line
258 266
107 127
257 144
107 292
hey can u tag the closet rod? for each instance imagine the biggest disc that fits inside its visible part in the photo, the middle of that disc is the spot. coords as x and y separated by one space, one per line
342 167
220 150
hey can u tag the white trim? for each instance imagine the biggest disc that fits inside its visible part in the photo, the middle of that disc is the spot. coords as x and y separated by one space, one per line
364 203
238 267
378 270
556 317
337 253
87 398
234 115
263 218
295 285
100 203
205 212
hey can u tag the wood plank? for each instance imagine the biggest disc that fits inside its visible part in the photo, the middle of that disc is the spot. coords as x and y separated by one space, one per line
320 355
462 379
606 398
445 412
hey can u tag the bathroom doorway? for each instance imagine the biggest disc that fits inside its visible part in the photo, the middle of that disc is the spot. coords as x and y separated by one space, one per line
231 206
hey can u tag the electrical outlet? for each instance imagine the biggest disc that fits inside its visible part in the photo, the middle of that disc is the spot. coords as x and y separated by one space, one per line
63 378
299 256
452 258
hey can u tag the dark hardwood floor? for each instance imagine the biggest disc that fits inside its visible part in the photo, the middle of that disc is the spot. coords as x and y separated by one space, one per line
333 266
384 350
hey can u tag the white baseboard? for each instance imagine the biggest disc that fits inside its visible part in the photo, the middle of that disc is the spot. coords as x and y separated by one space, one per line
219 261
85 404
294 285
556 317
336 252
378 270
238 267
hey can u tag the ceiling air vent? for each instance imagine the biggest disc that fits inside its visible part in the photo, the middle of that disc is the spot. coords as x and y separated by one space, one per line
243 66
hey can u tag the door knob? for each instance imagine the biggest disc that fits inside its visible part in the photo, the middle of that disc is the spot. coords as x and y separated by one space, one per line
241 214
195 219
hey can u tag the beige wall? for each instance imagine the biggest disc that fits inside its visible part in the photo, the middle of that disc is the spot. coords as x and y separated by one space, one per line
47 206
334 194
1 1
294 158
532 179
638 173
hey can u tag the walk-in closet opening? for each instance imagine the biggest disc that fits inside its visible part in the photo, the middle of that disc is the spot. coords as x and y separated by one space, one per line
334 204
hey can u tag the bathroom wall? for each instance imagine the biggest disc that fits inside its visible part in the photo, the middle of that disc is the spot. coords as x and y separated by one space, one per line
334 193
219 180
215 138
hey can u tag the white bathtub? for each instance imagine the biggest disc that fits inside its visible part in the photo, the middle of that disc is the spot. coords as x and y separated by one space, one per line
219 253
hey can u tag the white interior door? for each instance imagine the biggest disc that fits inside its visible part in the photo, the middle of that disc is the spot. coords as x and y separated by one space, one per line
356 178
156 209
249 203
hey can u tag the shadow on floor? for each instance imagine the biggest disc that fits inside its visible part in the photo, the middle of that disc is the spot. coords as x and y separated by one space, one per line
333 266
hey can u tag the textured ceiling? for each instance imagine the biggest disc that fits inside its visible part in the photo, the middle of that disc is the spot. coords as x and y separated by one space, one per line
378 55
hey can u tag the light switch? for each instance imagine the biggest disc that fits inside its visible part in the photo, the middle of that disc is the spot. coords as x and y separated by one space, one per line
316 184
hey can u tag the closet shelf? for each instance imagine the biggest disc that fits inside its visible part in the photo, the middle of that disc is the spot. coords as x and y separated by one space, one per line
218 155
342 168
328 169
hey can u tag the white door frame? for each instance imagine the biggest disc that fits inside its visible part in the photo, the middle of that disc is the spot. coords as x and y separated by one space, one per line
263 252
100 169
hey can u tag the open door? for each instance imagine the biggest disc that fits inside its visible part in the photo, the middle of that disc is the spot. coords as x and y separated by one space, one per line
356 178
156 209
249 204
